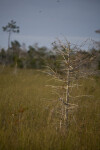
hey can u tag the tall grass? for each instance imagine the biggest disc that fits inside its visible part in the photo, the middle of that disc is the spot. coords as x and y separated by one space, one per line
29 118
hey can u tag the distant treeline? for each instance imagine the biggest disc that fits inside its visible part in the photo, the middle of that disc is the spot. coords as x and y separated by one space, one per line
38 57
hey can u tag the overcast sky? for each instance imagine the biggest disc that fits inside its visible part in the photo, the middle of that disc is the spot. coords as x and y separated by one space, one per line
43 21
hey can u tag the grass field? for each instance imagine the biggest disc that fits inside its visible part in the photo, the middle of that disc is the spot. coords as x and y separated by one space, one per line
28 120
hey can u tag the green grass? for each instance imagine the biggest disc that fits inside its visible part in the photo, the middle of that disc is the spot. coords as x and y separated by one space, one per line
28 120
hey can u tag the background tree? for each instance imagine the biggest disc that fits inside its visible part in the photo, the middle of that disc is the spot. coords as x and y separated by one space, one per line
97 43
2 56
10 28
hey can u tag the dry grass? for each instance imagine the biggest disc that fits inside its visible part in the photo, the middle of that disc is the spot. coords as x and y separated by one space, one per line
29 118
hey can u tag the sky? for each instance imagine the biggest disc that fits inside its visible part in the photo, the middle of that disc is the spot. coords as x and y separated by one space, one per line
42 21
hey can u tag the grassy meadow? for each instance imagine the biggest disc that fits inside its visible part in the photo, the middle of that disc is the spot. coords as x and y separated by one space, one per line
29 119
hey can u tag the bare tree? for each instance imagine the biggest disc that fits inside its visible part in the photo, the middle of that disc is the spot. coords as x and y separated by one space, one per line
71 69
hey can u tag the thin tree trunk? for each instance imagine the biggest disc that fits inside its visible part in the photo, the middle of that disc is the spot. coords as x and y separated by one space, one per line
67 89
9 39
16 67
